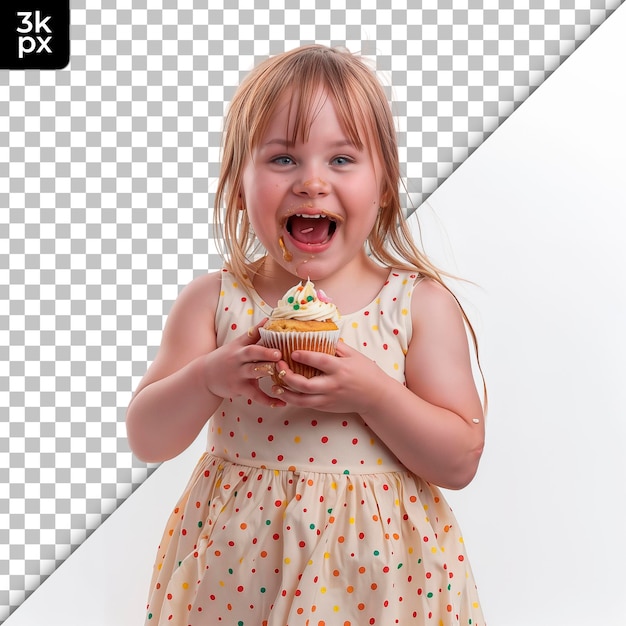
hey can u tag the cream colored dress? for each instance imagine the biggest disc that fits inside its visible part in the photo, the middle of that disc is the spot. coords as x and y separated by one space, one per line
297 517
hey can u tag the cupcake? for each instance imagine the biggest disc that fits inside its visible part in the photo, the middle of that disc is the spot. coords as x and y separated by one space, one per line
304 319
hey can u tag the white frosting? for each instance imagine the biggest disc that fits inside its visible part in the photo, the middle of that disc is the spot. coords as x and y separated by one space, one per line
302 303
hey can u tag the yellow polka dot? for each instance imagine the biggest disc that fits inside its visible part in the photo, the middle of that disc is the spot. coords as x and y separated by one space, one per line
327 555
235 285
250 311
375 327
297 439
425 507
352 520
185 585
461 540
379 461
405 311
475 605
287 560
333 485
222 293
323 590
396 366
336 609
433 550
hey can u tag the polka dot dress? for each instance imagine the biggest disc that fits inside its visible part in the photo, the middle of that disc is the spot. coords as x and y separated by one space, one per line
302 518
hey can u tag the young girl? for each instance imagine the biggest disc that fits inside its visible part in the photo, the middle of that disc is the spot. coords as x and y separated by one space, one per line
315 502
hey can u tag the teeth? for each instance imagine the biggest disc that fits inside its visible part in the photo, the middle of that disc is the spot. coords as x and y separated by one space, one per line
310 217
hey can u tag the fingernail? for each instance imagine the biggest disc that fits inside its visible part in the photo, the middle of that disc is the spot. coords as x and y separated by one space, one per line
281 373
250 331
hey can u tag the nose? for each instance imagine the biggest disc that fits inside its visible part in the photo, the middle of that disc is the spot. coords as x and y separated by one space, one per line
312 187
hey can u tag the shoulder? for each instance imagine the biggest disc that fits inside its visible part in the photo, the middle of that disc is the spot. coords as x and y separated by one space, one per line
438 361
189 331
199 297
431 302
438 326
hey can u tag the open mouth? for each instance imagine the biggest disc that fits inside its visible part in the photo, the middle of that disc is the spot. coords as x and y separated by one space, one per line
311 229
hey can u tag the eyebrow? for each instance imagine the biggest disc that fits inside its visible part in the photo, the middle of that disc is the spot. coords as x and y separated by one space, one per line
341 143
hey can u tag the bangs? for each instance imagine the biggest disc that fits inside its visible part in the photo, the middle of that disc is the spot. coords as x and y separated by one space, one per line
303 86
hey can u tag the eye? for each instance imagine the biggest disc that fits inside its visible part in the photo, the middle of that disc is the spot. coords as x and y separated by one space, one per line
342 160
283 159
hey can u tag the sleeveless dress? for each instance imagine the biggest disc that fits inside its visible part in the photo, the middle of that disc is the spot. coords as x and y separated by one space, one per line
298 517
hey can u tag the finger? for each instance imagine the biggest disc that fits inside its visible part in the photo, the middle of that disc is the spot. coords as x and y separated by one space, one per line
256 395
319 360
260 370
343 349
252 335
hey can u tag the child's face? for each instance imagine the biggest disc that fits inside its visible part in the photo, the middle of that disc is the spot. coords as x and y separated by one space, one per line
313 204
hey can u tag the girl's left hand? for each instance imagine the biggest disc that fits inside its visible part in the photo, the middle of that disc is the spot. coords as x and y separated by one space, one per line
348 382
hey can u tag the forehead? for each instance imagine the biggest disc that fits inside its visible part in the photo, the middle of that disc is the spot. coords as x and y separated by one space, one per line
296 111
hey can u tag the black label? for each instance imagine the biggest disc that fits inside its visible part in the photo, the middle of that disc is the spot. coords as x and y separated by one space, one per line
34 35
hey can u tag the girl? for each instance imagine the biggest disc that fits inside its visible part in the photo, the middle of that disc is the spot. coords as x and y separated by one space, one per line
315 503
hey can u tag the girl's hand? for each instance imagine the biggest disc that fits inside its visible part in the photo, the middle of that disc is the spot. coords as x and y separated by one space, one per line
348 382
236 368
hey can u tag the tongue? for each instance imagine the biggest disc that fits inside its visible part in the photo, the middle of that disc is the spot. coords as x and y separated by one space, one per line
309 230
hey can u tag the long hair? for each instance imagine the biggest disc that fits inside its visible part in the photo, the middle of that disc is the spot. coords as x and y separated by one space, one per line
363 111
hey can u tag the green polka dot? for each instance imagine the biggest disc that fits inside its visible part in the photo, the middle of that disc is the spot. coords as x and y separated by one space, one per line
376 552
312 526
263 589
199 524
230 570
429 594
268 522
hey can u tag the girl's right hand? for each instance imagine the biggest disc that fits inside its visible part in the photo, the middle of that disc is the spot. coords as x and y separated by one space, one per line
235 368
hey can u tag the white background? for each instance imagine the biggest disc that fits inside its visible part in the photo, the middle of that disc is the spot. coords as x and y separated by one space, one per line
535 217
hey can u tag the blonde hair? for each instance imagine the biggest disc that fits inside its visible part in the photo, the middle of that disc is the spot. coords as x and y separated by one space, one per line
362 108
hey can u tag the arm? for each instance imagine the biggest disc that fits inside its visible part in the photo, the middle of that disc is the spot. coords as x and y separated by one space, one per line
431 429
434 432
190 375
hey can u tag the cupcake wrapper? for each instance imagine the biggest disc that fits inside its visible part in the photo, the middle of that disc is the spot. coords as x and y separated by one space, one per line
288 342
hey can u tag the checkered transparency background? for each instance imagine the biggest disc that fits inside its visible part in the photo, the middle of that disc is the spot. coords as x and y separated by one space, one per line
107 175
